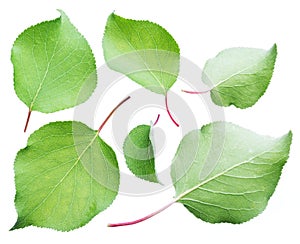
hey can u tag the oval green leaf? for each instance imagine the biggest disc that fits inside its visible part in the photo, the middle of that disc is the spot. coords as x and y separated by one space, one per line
143 51
231 173
139 153
239 76
64 177
54 67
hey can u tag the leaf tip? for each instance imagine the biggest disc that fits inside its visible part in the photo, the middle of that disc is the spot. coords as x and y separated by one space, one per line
112 15
12 228
273 52
17 225
287 138
62 13
63 16
290 135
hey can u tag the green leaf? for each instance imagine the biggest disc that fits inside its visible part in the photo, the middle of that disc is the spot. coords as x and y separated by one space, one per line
64 177
139 153
143 51
54 67
231 173
239 76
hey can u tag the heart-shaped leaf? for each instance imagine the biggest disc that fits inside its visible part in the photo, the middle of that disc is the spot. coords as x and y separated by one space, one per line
143 51
139 153
64 177
54 67
239 76
224 173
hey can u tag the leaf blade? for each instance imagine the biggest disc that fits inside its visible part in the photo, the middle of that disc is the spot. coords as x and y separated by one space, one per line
139 153
53 61
143 51
237 187
64 177
240 76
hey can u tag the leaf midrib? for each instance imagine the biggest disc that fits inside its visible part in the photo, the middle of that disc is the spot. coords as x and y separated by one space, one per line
62 179
46 72
178 198
263 56
137 51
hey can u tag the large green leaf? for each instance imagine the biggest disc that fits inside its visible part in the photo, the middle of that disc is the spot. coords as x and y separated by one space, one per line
64 177
143 51
239 76
54 67
231 173
139 153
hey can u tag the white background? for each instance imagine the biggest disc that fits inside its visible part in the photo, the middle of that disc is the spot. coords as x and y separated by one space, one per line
202 29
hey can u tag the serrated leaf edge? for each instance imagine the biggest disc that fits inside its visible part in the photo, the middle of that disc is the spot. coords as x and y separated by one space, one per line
15 226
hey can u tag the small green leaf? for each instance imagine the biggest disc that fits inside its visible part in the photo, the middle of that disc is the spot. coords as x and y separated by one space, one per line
54 67
139 153
224 173
239 76
143 51
64 177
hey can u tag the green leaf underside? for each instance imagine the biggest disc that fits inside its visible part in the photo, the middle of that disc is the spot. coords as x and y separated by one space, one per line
139 153
54 67
143 51
242 171
64 177
239 76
